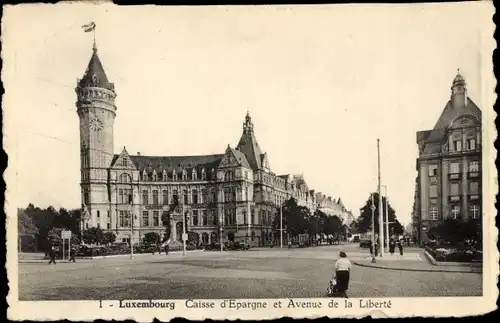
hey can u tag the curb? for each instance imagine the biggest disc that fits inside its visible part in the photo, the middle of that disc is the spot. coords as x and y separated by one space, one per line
420 270
443 263
138 254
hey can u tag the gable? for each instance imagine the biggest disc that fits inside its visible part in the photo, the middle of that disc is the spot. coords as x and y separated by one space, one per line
234 158
464 121
123 161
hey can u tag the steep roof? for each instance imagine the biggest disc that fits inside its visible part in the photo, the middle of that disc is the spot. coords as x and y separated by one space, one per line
242 159
94 74
177 163
437 135
249 146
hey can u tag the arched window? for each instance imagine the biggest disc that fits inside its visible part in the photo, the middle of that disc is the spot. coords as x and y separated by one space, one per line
125 178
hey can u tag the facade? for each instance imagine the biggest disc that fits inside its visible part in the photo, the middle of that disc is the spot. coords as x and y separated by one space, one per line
449 164
234 194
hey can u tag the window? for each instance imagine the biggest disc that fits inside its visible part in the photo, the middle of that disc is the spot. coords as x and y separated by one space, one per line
434 213
156 218
474 212
155 197
109 214
185 196
124 219
227 194
193 175
204 196
98 225
195 217
246 175
184 175
215 218
228 176
164 176
245 217
471 144
145 219
164 216
457 145
474 166
155 178
455 211
203 175
454 168
175 197
195 197
454 189
108 226
252 218
128 196
253 235
213 194
144 176
124 178
204 217
98 214
121 198
86 198
165 197
474 188
433 191
145 199
174 176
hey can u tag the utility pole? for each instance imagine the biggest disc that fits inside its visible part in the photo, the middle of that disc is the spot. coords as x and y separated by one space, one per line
281 226
373 230
380 206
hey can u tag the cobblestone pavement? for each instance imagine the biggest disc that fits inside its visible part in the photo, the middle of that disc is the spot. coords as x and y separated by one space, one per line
265 273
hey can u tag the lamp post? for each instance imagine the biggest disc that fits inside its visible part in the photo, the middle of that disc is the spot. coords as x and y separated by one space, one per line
281 226
380 215
373 208
185 217
386 218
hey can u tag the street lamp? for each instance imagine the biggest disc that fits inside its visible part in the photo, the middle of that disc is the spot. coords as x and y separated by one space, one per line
185 217
386 217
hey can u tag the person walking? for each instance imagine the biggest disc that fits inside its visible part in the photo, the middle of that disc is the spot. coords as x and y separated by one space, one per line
392 246
341 274
72 255
400 246
52 255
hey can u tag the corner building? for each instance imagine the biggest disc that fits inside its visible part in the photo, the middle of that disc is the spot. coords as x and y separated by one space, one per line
449 165
234 193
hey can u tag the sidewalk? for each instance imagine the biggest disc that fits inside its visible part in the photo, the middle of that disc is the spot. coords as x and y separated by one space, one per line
420 265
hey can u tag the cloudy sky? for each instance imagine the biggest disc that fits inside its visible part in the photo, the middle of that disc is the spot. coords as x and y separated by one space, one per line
321 84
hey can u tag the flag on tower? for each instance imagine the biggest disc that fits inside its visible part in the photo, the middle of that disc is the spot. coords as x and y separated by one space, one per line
89 27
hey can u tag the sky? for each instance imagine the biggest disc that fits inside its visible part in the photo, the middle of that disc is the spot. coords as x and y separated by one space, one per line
321 83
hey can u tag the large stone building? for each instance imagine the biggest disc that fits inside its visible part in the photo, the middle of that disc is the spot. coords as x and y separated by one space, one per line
234 193
449 164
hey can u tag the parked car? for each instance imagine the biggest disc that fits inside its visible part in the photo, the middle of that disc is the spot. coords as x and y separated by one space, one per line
240 245
356 239
365 243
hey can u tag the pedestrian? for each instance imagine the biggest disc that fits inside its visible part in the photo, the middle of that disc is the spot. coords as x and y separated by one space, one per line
52 255
371 248
376 249
392 246
341 274
289 244
72 255
166 249
400 246
158 246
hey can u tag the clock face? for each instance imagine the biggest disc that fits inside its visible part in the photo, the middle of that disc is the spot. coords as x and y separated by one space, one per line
96 124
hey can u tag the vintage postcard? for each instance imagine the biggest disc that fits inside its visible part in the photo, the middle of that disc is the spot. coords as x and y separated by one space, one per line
249 162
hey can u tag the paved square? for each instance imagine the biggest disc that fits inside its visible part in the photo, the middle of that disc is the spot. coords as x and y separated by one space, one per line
266 273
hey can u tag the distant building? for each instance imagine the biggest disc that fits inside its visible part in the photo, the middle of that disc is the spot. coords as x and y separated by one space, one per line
449 164
234 193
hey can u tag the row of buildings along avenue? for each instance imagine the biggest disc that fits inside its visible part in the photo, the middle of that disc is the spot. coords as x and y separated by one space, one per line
235 190
448 183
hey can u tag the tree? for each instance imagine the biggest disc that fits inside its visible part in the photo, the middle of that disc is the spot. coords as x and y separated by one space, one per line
295 218
93 236
108 237
26 230
151 238
364 222
165 219
456 231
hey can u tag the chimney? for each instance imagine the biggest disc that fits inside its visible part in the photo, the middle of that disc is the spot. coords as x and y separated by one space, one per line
138 153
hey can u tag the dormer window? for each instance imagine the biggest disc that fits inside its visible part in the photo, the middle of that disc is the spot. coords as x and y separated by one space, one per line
193 175
155 177
144 176
184 175
164 176
203 175
125 162
174 176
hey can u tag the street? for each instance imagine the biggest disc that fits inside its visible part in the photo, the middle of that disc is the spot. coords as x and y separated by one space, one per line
258 273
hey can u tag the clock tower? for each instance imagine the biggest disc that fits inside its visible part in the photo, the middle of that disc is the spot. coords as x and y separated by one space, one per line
96 110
